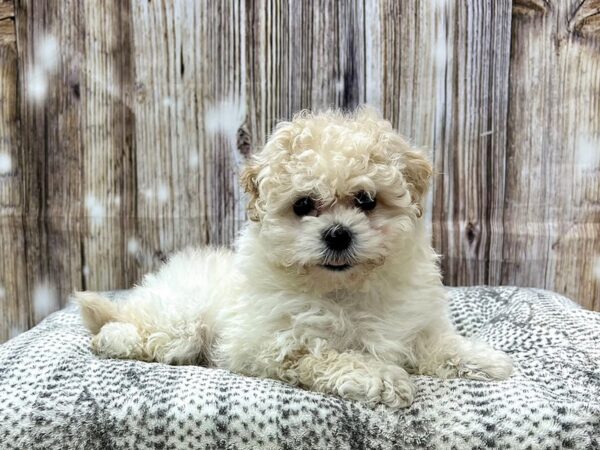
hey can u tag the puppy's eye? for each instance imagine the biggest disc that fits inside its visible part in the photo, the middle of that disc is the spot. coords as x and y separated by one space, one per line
365 201
304 206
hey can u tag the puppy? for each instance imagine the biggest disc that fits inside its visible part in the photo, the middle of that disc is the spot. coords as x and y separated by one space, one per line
333 285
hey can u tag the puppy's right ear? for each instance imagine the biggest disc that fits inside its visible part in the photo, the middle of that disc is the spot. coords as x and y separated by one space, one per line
248 179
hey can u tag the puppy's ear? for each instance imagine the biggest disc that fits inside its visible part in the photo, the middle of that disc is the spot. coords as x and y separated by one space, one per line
417 172
248 180
413 164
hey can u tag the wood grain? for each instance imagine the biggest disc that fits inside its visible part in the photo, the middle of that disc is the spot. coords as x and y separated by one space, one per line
107 199
470 140
151 107
444 85
301 55
189 105
14 307
552 206
52 149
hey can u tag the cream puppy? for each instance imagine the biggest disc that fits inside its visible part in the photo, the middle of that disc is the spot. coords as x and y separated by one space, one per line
333 285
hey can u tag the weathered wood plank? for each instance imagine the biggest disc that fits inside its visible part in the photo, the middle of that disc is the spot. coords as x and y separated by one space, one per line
552 208
14 309
8 34
405 80
302 54
409 72
472 143
444 85
7 11
106 85
50 111
189 105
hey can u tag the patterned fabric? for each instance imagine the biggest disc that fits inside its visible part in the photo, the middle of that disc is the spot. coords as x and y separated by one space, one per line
54 393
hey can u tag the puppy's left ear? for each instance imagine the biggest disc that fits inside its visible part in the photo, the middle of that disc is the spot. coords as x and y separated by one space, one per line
249 182
417 172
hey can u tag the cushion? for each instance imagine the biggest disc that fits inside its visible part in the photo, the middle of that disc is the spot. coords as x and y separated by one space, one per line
55 393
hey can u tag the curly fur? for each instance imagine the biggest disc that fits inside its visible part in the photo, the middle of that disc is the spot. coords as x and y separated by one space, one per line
270 309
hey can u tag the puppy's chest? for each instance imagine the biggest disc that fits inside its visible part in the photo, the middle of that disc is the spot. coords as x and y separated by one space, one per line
369 324
361 329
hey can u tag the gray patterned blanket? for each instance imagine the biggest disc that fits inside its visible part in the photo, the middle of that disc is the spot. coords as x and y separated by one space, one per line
54 393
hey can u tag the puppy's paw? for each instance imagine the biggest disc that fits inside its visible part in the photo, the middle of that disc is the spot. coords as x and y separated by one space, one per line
493 365
117 340
389 385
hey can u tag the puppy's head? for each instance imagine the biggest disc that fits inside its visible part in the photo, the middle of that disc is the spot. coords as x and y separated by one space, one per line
335 194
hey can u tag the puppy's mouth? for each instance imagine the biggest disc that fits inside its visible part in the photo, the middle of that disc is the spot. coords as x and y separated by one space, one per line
336 267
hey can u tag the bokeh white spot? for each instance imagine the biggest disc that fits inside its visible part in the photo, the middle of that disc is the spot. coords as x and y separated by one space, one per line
148 193
2 292
133 246
163 193
440 52
46 60
588 152
45 299
597 268
47 53
5 163
85 270
225 117
37 84
95 209
194 160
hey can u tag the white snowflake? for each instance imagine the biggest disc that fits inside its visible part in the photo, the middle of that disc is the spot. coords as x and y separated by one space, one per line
148 193
163 193
225 117
588 152
194 160
95 209
45 299
133 246
46 59
5 163
117 201
2 292
85 270
597 267
47 53
440 52
37 84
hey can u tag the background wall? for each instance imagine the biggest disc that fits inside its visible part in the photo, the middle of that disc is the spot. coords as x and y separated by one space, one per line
123 125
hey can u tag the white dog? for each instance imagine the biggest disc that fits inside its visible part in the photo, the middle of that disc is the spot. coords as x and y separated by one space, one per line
333 285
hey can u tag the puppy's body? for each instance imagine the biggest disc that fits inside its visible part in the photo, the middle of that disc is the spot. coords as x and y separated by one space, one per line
347 312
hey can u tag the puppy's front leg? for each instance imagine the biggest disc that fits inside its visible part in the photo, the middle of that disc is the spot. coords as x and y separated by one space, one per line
440 351
354 376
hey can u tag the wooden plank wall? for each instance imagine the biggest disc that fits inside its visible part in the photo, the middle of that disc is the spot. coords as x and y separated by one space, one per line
15 314
123 125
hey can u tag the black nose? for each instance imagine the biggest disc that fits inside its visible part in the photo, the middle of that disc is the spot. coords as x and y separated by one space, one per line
337 238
